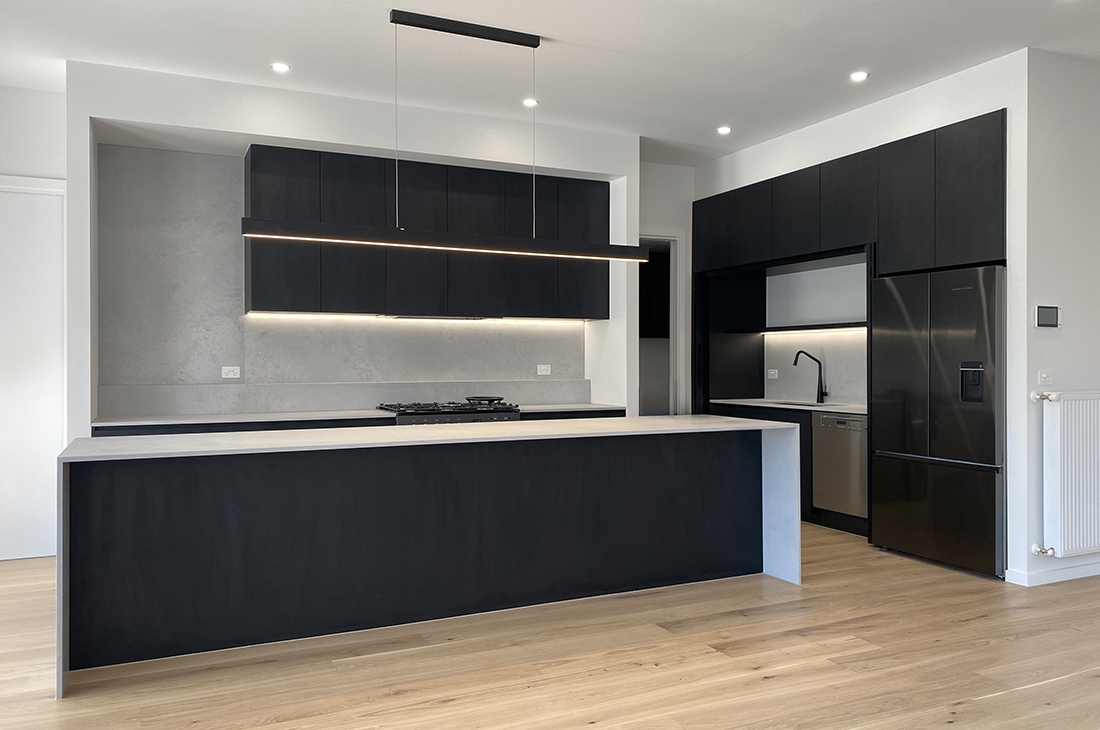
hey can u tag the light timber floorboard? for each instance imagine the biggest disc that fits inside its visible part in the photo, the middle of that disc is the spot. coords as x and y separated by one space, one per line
872 640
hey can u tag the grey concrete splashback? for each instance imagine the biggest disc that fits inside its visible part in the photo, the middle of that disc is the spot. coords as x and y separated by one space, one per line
171 314
844 353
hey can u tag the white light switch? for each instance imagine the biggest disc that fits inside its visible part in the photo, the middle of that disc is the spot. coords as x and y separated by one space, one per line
773 375
231 371
543 370
1045 378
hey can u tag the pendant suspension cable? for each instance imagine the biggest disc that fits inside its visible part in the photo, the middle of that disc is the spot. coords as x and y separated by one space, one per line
534 176
396 155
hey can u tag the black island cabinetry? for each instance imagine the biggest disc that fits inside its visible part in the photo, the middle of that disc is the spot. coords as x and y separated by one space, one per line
308 186
175 554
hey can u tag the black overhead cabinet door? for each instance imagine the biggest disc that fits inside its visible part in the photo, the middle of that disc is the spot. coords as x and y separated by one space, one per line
849 201
710 232
354 190
282 184
970 191
282 276
907 204
796 213
751 224
353 279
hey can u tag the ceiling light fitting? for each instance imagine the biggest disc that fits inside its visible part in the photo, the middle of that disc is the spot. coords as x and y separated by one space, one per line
858 76
725 129
530 102
279 67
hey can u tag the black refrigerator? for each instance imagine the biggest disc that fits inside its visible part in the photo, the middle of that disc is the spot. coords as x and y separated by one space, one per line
937 416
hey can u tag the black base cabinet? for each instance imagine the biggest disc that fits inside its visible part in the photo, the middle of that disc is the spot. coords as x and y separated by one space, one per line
181 555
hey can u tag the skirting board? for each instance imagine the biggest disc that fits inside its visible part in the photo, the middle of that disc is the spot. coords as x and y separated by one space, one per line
1054 575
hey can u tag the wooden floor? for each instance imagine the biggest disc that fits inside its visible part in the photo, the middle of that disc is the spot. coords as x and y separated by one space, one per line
872 640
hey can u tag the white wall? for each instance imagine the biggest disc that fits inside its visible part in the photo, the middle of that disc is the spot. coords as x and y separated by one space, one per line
1063 263
31 385
1001 83
198 107
665 212
32 133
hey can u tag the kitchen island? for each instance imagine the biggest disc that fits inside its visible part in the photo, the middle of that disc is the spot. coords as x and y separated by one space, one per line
177 544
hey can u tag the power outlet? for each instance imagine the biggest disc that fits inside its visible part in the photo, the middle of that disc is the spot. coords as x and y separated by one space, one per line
231 371
543 370
773 375
1046 378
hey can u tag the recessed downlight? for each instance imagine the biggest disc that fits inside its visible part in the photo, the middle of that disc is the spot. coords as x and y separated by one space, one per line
724 129
279 67
858 76
530 101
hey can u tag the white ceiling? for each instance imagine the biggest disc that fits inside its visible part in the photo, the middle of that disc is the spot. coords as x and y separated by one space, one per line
670 71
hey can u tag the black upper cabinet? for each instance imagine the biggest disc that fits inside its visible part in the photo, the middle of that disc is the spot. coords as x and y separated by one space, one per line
488 202
584 211
751 224
282 183
353 278
546 208
416 282
329 188
907 204
796 213
710 232
282 276
422 196
584 289
849 201
531 286
475 285
970 191
353 189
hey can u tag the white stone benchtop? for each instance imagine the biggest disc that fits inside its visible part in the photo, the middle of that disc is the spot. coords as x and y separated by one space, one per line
256 442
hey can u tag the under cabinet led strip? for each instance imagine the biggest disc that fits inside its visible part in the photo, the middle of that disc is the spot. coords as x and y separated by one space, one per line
635 254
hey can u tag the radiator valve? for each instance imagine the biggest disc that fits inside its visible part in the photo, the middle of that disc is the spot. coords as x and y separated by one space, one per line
1036 550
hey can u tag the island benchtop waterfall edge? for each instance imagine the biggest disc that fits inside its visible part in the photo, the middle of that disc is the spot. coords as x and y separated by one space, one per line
258 442
778 476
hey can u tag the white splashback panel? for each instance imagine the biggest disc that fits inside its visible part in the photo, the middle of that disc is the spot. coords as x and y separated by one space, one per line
820 296
844 352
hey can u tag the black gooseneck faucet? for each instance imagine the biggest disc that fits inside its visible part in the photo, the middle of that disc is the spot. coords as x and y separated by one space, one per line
820 383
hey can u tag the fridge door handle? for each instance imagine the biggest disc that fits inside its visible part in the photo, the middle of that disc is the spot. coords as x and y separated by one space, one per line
938 461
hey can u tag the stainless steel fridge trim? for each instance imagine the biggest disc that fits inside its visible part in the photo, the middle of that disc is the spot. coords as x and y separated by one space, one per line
936 460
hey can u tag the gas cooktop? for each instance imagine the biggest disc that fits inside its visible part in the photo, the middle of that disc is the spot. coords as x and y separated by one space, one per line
476 408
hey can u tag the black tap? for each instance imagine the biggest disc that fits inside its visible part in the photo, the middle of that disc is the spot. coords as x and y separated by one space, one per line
820 383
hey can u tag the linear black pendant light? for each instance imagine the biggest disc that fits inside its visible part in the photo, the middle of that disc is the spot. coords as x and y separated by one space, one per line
407 238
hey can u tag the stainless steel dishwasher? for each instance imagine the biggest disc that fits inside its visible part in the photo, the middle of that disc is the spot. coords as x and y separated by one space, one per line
840 463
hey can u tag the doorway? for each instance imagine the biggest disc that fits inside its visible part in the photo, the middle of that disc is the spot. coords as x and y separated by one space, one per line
656 343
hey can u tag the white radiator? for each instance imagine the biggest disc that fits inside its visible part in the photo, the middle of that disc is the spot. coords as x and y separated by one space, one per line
1071 473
